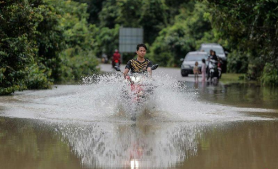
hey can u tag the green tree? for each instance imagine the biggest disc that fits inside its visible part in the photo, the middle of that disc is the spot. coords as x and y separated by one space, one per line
176 40
18 47
94 8
251 28
107 40
42 41
153 18
109 14
50 38
78 58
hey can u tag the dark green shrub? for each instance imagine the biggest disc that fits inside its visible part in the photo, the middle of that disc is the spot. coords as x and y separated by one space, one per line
37 77
75 67
269 75
237 62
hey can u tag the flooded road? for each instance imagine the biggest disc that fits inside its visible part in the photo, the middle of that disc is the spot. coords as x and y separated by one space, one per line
183 125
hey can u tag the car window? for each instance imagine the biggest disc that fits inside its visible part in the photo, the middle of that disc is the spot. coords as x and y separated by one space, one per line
195 57
217 50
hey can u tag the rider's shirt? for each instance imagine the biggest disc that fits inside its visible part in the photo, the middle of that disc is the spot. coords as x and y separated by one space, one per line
138 67
214 57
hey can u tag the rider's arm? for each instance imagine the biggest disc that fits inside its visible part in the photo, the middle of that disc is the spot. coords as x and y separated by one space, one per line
127 68
149 69
126 72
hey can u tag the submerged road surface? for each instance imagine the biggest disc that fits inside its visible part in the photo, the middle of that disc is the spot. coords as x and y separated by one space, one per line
88 126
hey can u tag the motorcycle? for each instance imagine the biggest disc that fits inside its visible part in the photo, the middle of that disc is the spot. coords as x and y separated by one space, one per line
117 63
213 70
139 89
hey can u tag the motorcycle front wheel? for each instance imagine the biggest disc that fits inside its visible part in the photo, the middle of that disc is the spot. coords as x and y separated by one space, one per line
211 76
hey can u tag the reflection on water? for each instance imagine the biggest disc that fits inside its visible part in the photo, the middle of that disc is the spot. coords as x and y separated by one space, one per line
28 144
109 145
36 144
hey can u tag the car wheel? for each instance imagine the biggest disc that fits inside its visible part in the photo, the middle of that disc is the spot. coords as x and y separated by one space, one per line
184 75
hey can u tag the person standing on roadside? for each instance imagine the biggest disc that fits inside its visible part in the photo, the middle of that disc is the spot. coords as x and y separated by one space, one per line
196 72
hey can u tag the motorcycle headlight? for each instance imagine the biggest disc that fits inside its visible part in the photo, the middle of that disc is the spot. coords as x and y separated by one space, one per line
132 78
136 79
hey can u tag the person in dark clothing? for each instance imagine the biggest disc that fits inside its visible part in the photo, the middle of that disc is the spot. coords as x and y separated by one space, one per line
140 64
213 55
116 58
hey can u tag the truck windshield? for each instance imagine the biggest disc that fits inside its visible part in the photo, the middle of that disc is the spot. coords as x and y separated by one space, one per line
218 50
194 57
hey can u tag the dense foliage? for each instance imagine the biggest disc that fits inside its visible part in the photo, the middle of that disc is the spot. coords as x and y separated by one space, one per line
43 41
188 30
78 59
18 45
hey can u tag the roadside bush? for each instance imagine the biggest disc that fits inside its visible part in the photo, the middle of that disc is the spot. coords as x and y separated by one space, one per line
106 40
14 54
237 62
75 67
269 75
38 77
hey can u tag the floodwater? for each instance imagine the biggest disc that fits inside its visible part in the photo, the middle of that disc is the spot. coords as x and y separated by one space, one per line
184 125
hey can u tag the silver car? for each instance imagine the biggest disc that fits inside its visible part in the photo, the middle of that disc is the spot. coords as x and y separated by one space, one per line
189 62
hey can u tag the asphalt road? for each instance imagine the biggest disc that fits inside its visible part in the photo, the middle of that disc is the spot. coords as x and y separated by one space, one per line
174 72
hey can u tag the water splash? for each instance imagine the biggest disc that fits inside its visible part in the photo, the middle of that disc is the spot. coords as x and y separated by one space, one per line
99 98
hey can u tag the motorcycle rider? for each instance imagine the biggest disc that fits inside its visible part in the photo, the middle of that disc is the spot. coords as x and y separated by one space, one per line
116 57
140 64
215 64
212 56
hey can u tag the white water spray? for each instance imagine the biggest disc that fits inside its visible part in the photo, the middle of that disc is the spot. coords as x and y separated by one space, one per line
100 98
